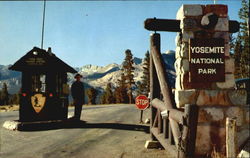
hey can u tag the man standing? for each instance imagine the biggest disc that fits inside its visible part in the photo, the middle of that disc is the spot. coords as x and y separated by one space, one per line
77 91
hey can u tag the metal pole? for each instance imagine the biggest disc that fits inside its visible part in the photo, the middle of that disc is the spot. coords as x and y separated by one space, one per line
141 116
44 5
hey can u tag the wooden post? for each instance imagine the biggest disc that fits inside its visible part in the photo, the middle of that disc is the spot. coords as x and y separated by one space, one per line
155 122
186 148
141 116
165 128
175 130
160 122
170 135
154 87
174 114
231 142
161 71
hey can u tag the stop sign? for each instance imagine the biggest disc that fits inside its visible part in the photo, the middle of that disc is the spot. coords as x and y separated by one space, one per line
141 102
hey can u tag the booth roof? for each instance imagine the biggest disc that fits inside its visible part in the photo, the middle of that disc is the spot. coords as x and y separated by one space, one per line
40 60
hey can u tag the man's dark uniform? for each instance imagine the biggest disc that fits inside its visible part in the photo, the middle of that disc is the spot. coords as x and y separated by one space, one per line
77 91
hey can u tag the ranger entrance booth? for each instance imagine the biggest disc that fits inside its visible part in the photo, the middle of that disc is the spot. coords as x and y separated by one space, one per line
44 91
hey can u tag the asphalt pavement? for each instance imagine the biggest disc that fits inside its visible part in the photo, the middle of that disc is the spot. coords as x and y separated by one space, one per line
110 131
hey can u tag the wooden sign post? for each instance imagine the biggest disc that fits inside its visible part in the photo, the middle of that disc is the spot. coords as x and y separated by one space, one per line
141 103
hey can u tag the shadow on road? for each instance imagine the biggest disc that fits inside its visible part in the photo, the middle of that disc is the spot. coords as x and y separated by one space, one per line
82 124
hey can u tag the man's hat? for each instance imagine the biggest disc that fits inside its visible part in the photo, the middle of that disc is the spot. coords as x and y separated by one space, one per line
78 75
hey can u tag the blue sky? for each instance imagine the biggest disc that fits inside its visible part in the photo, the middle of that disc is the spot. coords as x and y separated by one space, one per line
88 32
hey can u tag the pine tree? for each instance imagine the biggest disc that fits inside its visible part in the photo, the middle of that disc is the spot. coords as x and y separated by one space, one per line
91 94
237 57
143 87
241 45
4 95
1 98
121 95
14 99
107 97
128 70
103 98
120 92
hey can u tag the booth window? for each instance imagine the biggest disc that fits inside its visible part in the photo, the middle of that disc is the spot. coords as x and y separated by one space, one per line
38 83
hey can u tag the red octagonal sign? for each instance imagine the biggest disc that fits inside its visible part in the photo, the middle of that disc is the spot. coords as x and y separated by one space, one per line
142 102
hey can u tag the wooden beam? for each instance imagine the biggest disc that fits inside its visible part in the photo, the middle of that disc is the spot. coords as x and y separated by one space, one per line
154 90
158 104
170 135
231 142
161 71
165 128
189 131
173 113
160 125
162 25
155 122
176 131
234 26
172 25
165 144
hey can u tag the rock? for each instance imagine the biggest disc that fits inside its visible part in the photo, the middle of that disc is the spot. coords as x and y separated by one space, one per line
189 10
229 65
222 25
189 24
185 50
235 112
187 35
242 136
205 19
178 82
227 50
209 136
238 97
178 52
218 9
178 39
203 140
247 115
152 144
228 84
11 125
147 121
181 65
223 35
215 113
209 20
183 97
182 51
212 97
245 152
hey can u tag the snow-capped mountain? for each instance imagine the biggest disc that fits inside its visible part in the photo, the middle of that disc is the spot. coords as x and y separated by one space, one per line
11 78
94 76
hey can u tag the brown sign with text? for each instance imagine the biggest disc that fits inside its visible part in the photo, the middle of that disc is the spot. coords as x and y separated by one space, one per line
207 60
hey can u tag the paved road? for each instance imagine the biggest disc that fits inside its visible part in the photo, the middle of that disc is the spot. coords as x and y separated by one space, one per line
111 131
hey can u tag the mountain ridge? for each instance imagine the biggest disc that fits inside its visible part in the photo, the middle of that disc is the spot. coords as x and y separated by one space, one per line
94 76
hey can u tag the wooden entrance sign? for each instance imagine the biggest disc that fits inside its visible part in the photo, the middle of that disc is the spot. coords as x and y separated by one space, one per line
207 60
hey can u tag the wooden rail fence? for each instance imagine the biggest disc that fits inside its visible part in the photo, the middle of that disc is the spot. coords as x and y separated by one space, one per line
174 128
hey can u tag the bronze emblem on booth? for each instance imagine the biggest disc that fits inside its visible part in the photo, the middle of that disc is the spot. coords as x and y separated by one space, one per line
38 102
